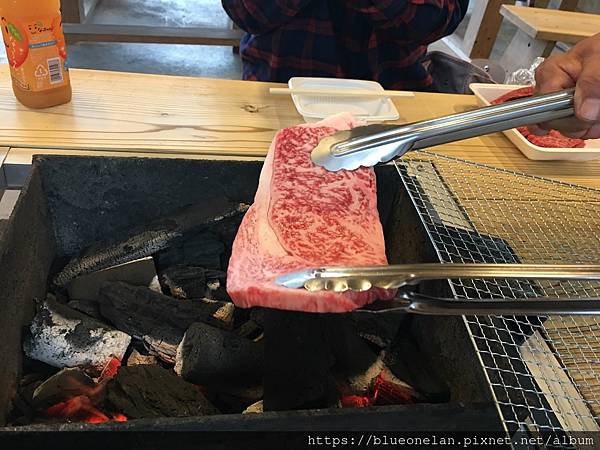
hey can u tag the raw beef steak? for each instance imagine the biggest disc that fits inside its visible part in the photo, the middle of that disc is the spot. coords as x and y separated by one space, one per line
553 139
304 216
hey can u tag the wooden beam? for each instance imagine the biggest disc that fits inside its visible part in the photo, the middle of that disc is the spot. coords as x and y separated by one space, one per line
151 34
483 28
551 24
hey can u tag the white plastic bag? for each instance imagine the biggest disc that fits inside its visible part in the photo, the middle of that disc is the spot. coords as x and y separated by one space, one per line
524 76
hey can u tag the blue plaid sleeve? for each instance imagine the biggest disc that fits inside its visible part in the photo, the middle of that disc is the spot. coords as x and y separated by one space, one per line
259 17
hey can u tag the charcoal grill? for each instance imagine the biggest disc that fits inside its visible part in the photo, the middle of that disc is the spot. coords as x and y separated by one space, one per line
68 203
544 372
532 372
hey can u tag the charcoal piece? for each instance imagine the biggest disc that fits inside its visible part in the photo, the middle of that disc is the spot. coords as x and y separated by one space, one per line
184 281
140 272
231 399
357 365
225 313
251 330
89 307
149 239
190 282
407 362
63 337
379 329
133 306
146 391
203 249
160 321
67 383
216 285
162 343
254 408
137 359
212 356
23 400
298 360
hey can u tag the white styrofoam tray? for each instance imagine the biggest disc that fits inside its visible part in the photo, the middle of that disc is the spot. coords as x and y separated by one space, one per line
486 93
316 107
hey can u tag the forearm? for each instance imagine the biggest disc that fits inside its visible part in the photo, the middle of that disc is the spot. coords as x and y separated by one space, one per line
258 17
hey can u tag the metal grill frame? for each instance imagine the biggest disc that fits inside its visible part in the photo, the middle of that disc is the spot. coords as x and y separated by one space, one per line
477 213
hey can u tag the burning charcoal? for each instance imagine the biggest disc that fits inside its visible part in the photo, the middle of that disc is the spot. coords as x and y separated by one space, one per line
137 273
149 238
209 355
158 320
152 391
81 409
67 383
254 408
408 363
360 372
63 337
137 359
201 250
384 389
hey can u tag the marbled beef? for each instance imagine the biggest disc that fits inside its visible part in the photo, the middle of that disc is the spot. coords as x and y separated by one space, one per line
304 216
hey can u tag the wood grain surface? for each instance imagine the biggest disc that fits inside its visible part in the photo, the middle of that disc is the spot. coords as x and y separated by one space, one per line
552 24
182 116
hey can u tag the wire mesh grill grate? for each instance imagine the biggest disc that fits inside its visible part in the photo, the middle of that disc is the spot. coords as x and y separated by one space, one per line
544 371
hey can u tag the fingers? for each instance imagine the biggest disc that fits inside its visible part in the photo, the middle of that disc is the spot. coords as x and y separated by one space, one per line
587 91
593 132
556 73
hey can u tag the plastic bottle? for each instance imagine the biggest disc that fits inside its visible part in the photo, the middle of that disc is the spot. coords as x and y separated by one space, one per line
36 51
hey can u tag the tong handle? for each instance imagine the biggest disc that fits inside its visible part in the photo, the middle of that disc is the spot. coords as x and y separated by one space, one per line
397 276
542 306
512 114
370 145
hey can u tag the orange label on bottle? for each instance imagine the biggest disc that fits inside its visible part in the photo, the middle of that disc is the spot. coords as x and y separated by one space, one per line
36 53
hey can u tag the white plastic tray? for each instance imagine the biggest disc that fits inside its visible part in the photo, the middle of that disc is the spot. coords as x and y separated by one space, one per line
316 107
486 93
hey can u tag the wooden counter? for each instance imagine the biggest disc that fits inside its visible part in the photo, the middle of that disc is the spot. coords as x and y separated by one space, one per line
198 117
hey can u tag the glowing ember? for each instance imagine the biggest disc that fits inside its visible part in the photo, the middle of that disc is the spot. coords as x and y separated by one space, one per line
383 392
81 409
110 370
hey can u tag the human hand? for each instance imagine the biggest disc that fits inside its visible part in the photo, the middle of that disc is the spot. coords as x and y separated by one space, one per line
579 68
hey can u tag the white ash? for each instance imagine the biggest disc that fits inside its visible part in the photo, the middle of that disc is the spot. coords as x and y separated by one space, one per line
63 337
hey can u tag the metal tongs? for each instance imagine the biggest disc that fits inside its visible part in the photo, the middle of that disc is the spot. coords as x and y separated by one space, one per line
373 144
360 279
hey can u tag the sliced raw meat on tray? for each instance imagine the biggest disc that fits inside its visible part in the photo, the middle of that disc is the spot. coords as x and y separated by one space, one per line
304 216
553 139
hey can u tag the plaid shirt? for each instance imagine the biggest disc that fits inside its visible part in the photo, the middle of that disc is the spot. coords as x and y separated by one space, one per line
381 40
